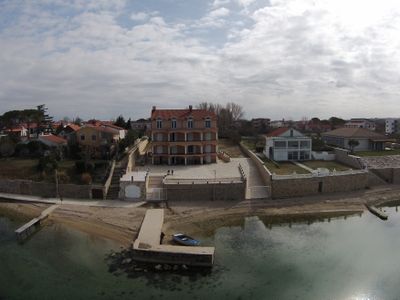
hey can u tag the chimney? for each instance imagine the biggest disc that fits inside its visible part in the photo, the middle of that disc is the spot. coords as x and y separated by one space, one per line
190 108
153 109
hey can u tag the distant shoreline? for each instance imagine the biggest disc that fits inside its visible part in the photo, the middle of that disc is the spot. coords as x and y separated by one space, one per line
122 224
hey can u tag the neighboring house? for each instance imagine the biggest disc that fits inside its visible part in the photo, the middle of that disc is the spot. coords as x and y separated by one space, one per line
52 141
23 131
183 136
285 144
368 140
260 123
99 141
392 126
361 123
277 123
69 133
141 124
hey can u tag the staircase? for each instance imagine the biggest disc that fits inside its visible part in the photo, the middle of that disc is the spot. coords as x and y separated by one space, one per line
113 191
155 188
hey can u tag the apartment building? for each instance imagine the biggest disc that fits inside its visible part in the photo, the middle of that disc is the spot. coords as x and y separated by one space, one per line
392 126
183 136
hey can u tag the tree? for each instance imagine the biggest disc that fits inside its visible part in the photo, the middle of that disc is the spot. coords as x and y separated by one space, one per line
120 122
128 124
77 121
336 122
352 144
43 119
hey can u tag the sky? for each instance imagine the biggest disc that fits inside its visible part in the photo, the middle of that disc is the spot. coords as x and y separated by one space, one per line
277 58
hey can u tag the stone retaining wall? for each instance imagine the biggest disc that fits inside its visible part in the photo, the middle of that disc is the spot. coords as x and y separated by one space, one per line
343 156
300 187
206 192
44 189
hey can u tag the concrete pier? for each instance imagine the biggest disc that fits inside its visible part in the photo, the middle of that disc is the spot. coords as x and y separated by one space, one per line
29 228
147 246
377 212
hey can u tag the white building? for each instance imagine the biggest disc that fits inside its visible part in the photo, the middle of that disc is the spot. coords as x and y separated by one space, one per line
392 126
361 123
287 144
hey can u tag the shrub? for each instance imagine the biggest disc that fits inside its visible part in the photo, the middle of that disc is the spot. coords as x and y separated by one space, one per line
86 178
47 164
63 177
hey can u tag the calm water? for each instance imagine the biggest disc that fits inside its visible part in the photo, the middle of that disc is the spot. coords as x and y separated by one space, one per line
356 258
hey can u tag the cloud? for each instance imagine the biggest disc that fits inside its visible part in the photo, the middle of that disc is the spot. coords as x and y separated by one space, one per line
288 58
140 16
219 3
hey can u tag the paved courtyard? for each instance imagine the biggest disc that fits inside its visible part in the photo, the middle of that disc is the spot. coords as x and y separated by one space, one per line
219 171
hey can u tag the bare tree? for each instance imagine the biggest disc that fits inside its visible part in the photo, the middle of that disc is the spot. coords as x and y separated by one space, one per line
235 111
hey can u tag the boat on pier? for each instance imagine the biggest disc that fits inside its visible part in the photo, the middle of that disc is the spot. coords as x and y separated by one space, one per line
148 248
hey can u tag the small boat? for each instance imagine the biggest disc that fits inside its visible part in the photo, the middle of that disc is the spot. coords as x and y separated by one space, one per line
185 240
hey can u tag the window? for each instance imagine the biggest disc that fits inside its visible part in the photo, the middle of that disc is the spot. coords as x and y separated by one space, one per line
190 123
173 123
190 149
82 137
293 155
293 144
304 155
172 137
94 137
159 137
280 144
190 137
208 123
305 144
207 136
159 123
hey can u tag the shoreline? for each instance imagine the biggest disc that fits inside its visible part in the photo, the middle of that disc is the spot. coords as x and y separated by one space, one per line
122 224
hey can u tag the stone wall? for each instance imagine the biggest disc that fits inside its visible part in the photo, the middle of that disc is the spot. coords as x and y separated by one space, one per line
389 175
206 192
307 186
343 156
262 170
45 190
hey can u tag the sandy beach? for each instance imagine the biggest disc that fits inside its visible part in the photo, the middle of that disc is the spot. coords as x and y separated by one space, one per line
122 224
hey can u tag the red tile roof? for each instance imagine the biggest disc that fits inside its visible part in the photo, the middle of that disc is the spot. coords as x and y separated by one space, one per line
278 131
74 127
53 138
196 114
348 132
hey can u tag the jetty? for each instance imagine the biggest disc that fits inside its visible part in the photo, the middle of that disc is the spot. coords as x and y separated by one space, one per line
29 228
377 212
148 248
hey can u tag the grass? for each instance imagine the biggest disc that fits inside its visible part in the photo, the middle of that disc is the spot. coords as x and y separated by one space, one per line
285 168
17 168
330 165
228 146
378 153
11 168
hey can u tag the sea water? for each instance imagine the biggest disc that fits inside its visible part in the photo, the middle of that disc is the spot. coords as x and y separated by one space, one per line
352 258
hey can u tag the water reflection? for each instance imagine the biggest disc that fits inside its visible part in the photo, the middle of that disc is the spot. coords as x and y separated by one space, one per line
340 258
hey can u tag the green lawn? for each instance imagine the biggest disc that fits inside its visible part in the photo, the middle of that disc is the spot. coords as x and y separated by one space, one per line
16 168
315 164
378 153
285 168
11 168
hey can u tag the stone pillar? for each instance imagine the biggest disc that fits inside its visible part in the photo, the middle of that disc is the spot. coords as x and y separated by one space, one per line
201 136
185 161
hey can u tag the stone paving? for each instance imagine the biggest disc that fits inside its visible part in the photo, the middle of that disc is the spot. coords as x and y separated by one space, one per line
381 162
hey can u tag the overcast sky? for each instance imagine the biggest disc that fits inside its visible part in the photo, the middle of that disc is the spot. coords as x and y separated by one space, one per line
277 58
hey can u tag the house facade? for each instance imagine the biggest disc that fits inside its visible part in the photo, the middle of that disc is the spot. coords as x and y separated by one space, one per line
392 126
183 136
368 140
287 144
361 123
98 141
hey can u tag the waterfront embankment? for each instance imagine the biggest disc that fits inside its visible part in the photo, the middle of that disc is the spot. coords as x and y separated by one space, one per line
121 224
